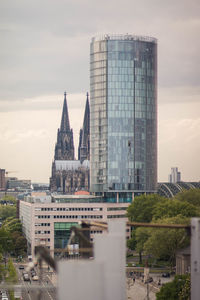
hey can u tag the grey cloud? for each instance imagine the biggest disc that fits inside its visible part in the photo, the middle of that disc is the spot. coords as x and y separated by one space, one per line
46 44
45 103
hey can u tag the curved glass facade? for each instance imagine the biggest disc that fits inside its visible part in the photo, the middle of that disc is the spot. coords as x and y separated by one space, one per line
123 118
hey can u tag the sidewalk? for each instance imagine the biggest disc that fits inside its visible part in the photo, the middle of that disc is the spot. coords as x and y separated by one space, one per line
138 290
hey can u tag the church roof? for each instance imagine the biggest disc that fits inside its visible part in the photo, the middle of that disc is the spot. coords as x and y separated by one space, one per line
71 164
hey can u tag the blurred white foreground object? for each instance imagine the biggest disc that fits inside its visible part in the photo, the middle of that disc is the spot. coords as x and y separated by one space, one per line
102 278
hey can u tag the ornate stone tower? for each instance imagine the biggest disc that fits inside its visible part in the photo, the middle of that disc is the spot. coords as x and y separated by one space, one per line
64 149
84 141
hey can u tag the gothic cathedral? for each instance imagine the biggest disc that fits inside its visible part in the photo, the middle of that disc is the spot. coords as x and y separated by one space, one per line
70 175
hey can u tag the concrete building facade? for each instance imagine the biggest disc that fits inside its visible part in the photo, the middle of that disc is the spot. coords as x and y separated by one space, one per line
49 224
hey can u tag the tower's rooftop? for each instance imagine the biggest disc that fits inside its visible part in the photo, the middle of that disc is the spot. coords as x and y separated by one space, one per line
124 37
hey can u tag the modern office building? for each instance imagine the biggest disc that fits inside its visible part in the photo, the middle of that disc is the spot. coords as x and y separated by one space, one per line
49 224
123 116
13 183
175 175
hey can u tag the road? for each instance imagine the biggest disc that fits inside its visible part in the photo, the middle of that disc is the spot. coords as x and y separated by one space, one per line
48 290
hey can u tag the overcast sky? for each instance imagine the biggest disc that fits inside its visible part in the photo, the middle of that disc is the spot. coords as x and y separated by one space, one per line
44 50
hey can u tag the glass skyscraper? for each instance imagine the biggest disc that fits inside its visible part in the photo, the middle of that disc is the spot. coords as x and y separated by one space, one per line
123 118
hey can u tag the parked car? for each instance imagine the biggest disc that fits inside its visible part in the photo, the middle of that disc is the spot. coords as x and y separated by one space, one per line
26 277
33 273
167 274
35 278
21 267
4 295
150 279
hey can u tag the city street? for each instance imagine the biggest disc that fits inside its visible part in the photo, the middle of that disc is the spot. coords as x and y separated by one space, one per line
30 290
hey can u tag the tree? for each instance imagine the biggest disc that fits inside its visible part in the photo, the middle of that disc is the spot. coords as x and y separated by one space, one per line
12 274
179 289
131 243
12 224
19 243
191 196
8 199
5 241
141 210
141 236
163 243
2 268
7 211
14 228
169 208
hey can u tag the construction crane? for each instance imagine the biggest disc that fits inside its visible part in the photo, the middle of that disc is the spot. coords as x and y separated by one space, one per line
8 172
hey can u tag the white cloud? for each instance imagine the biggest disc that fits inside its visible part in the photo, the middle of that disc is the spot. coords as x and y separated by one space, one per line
179 139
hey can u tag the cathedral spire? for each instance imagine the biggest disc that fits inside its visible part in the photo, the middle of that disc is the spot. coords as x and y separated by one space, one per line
86 121
64 149
65 126
85 138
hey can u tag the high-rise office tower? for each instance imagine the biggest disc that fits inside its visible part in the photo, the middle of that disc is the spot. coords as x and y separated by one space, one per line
123 116
175 175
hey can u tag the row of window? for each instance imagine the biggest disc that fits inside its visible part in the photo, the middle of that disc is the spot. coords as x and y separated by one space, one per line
69 217
42 217
42 240
117 208
68 209
96 231
116 216
78 217
42 232
42 224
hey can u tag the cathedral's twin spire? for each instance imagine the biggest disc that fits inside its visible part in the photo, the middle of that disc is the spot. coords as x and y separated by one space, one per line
64 149
65 126
85 134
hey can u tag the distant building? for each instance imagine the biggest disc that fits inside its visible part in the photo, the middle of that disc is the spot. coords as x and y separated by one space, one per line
38 197
169 190
69 175
18 184
40 186
2 180
175 175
